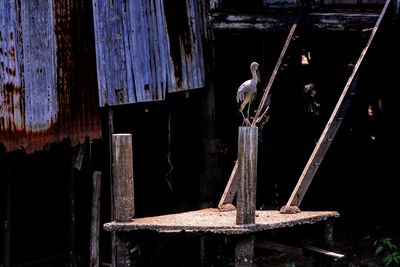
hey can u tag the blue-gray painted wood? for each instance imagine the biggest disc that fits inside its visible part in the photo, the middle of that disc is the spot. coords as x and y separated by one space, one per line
48 89
11 95
39 60
133 51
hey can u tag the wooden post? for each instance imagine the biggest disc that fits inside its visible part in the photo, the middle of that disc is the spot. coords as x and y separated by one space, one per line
71 197
124 208
246 196
123 258
244 251
110 128
7 221
247 170
95 220
328 233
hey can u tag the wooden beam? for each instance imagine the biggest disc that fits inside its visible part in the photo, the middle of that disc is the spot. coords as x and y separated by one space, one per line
324 252
332 125
340 20
230 189
124 208
95 220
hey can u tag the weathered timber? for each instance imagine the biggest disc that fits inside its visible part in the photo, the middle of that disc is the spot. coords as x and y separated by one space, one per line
230 189
247 173
123 177
123 258
324 252
95 220
341 20
110 129
211 172
244 251
322 20
78 162
213 221
333 123
230 21
7 225
145 48
328 233
72 210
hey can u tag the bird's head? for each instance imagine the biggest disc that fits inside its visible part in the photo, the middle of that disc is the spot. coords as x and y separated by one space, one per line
254 70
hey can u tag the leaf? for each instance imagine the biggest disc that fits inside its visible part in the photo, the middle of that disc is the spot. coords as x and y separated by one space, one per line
378 250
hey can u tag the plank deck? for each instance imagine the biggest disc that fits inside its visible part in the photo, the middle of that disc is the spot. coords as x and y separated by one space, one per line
212 220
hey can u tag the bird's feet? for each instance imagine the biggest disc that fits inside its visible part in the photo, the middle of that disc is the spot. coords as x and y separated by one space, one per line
246 122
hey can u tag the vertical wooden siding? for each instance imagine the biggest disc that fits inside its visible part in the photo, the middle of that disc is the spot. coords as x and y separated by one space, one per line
147 48
47 74
39 64
11 93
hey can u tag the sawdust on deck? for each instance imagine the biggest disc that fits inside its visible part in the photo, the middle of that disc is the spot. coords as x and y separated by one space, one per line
214 221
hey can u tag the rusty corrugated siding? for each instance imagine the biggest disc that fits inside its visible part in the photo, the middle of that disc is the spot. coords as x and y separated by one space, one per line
146 48
51 91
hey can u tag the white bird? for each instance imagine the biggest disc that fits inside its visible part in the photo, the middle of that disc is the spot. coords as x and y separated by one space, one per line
247 91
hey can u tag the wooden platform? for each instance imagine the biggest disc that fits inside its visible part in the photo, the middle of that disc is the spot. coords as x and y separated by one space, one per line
214 221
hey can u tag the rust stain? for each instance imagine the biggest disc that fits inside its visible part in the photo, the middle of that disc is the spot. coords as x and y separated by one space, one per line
77 100
11 52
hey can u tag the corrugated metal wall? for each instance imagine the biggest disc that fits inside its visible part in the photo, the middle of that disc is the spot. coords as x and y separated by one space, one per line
146 48
47 75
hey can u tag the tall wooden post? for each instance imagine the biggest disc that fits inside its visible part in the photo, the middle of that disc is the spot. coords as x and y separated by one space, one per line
247 170
124 208
246 195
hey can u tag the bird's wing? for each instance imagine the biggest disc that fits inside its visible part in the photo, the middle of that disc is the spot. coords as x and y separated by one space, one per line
243 90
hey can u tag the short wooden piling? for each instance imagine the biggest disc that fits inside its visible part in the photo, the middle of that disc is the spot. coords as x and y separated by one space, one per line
247 171
246 195
124 208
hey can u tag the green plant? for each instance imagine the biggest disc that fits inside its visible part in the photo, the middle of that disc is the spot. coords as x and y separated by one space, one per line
390 252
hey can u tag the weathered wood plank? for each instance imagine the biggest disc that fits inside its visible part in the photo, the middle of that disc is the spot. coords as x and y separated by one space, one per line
230 188
333 124
95 220
12 109
214 221
146 47
247 174
322 20
39 58
124 208
110 132
43 95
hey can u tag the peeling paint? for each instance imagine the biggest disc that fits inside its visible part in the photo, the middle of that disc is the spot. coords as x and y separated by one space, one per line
146 49
48 84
